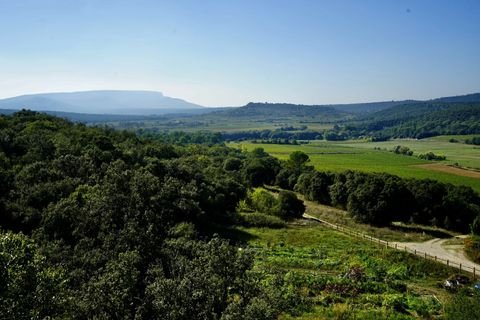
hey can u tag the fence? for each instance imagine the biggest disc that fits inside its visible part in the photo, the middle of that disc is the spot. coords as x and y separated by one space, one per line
462 268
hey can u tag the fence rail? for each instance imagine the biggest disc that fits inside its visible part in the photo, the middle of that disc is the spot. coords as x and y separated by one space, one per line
449 263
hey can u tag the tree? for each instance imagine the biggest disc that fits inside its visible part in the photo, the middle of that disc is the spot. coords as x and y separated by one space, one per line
475 226
29 288
298 159
289 206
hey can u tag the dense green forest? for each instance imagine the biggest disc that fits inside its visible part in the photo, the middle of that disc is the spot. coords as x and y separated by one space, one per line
98 223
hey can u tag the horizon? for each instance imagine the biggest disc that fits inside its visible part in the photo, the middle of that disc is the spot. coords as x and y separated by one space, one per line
228 54
235 106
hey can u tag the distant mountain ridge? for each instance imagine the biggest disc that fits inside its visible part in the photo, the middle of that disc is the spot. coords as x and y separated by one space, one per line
363 107
85 104
102 102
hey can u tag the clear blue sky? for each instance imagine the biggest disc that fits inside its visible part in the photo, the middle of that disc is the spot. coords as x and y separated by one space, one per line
229 52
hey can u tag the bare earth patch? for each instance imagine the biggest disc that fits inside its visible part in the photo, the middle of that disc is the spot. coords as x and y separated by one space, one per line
449 169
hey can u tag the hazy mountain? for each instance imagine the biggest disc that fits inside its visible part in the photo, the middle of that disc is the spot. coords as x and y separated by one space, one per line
102 102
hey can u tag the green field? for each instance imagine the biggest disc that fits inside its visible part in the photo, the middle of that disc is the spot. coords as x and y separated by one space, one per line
463 154
394 285
341 156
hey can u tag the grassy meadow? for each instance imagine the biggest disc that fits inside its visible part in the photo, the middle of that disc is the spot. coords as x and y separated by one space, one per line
362 156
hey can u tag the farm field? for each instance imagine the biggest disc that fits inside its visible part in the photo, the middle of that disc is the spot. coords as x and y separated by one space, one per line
341 156
388 284
464 154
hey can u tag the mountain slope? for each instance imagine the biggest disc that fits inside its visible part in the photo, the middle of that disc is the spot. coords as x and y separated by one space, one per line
101 102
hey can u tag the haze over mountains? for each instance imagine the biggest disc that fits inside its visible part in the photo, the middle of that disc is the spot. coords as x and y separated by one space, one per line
146 104
102 102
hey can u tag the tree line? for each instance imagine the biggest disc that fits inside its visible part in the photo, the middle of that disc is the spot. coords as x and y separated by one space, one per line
381 198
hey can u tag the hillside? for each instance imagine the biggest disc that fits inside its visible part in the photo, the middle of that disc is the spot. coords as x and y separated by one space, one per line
102 102
420 120
255 110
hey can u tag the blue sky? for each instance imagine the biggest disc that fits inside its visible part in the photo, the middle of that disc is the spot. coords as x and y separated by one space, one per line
230 52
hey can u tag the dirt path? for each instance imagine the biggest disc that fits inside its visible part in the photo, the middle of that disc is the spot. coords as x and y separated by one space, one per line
439 248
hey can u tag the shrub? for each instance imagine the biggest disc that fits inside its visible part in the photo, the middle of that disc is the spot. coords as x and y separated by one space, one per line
431 156
402 150
263 201
257 219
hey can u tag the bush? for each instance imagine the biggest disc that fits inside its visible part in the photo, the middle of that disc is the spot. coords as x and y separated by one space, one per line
431 156
257 219
402 150
263 201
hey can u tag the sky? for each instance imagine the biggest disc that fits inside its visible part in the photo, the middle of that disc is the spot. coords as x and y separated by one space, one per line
230 52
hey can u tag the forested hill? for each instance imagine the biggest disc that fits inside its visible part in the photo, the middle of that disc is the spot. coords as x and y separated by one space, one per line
256 110
419 120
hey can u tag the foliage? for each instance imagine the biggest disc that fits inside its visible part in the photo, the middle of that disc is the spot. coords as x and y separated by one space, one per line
418 120
103 224
431 156
263 201
463 306
289 206
29 288
261 220
286 206
379 199
472 247
473 140
402 150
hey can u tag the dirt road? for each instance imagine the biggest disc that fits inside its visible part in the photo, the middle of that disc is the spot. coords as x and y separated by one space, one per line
441 249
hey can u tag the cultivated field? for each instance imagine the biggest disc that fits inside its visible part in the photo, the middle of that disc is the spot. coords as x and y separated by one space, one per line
350 278
463 154
341 156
